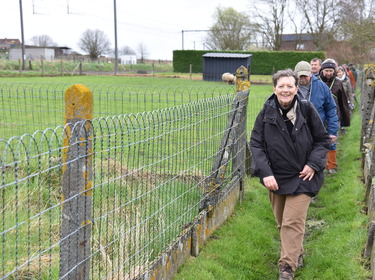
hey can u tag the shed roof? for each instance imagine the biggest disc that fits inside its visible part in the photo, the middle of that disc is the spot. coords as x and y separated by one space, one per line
297 37
227 55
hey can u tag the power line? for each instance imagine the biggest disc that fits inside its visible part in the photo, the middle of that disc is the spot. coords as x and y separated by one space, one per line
183 31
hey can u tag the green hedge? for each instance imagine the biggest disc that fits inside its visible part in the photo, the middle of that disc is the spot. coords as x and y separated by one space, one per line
262 62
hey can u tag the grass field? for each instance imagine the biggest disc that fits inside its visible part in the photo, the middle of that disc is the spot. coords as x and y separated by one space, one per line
155 196
29 104
245 248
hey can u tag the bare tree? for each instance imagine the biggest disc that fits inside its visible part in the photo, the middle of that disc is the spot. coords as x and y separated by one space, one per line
322 18
95 43
126 50
231 31
297 24
357 26
42 41
270 16
142 51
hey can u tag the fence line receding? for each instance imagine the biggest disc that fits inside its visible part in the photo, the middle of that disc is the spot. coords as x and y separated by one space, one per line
104 198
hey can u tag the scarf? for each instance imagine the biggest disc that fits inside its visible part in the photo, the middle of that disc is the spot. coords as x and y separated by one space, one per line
288 118
304 91
342 78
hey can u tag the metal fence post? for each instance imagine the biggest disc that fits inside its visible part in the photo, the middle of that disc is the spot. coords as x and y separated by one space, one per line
77 184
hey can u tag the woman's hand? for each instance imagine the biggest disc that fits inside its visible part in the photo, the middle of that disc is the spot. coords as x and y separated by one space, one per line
270 183
307 173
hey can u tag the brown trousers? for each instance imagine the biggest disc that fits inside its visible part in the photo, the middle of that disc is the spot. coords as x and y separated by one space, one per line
290 213
331 159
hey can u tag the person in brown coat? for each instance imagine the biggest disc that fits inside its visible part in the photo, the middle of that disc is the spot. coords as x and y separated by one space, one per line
343 76
328 76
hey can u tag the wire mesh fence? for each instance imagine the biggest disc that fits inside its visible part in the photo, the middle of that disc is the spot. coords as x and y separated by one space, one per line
27 107
102 199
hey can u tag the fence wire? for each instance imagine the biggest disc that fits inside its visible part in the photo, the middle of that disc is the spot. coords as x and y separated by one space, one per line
148 176
27 107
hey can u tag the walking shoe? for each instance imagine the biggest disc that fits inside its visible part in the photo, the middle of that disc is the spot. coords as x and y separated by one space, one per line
300 261
332 171
313 200
286 272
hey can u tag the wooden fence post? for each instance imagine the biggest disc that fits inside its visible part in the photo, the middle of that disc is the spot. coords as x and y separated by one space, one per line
241 150
77 185
368 102
234 141
42 66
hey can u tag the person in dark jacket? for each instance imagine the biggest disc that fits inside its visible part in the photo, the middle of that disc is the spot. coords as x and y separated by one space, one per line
289 145
317 92
328 76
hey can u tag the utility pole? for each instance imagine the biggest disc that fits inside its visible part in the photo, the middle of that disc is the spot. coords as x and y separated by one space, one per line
182 33
116 50
22 38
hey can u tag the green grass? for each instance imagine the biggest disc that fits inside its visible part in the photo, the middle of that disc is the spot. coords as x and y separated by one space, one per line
43 189
247 246
30 104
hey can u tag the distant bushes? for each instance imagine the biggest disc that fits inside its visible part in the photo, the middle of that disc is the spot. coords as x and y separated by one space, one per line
262 62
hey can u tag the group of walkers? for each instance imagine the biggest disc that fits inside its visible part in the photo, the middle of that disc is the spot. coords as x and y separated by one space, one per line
293 145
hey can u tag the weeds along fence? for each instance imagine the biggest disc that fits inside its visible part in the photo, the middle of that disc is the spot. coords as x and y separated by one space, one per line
28 107
368 157
126 196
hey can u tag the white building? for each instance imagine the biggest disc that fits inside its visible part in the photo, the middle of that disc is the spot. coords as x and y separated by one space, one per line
128 59
32 54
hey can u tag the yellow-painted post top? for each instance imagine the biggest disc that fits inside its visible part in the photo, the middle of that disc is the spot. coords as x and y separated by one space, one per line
78 103
242 79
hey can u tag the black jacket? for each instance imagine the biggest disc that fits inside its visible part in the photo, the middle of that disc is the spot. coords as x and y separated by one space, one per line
277 152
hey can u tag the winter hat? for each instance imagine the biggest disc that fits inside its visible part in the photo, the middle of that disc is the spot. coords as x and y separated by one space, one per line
328 64
303 68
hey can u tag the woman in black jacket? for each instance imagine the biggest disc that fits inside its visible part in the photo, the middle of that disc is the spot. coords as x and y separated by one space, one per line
289 145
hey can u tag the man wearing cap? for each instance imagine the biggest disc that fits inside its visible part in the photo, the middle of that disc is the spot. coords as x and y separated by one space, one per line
317 92
328 76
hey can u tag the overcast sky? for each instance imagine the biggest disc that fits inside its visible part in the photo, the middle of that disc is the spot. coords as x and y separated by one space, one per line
157 24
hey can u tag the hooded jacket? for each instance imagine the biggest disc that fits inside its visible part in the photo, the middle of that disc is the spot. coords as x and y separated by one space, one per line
277 152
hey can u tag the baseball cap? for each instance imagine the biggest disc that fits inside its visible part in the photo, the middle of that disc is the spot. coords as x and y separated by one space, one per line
303 68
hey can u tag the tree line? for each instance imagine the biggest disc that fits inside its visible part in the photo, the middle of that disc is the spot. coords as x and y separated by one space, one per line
346 26
327 21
